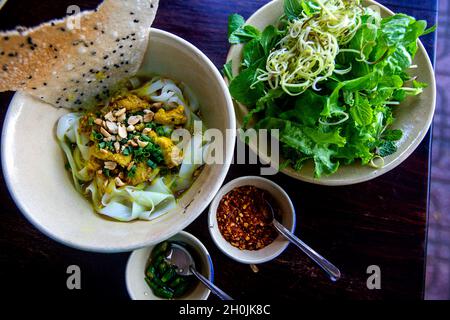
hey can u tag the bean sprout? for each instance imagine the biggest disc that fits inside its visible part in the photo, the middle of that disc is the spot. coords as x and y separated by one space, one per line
306 55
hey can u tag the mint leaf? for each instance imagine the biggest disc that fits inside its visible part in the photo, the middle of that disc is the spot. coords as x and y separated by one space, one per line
292 9
241 87
269 38
386 148
253 54
235 22
361 111
238 32
392 135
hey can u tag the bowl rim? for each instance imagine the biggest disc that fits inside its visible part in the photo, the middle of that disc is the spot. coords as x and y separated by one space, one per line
201 249
397 160
93 248
212 226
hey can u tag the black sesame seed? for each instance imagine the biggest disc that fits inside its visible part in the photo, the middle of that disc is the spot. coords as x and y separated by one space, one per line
91 43
45 83
6 38
64 89
30 77
34 88
5 67
2 53
106 57
93 53
30 40
136 21
52 24
132 13
120 47
62 29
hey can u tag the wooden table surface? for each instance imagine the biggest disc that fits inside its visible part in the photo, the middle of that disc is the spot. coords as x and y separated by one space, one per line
382 222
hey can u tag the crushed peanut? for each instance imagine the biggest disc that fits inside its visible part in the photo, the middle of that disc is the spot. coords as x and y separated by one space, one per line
110 165
119 182
122 131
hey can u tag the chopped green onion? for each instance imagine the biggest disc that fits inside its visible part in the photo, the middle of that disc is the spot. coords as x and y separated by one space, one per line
151 164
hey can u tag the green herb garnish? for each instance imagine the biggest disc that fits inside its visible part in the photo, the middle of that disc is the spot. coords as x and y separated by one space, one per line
330 91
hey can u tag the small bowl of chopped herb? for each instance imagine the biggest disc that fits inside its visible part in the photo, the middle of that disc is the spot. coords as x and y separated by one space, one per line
150 277
238 224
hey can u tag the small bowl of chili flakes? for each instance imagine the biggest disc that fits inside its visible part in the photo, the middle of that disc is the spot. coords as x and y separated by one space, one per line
238 223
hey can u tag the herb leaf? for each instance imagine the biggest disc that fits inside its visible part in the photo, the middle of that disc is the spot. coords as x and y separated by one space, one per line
238 32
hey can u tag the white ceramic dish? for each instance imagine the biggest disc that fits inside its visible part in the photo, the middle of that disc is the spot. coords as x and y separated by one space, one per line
414 116
287 212
137 263
33 163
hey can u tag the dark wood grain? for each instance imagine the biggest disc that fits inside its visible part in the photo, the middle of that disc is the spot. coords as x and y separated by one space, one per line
382 222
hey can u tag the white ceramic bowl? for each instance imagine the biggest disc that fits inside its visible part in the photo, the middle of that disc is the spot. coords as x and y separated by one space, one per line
414 116
137 263
33 163
287 213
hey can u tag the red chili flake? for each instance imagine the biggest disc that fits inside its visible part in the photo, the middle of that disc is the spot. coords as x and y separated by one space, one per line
241 219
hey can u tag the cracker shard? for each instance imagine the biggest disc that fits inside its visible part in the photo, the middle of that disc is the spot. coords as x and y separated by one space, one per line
78 67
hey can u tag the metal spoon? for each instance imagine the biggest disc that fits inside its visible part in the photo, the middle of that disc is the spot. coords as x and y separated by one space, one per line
332 271
179 257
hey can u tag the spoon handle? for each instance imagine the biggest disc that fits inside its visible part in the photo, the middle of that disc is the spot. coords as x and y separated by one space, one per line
327 266
222 295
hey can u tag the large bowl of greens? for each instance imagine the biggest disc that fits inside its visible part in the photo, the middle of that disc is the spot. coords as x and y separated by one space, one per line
348 85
